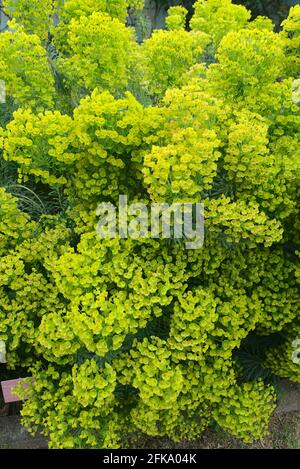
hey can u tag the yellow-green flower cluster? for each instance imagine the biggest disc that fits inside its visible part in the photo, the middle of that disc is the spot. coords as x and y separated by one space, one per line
98 49
167 55
27 292
218 18
41 145
176 18
248 60
74 9
35 15
246 409
84 402
25 69
291 35
15 225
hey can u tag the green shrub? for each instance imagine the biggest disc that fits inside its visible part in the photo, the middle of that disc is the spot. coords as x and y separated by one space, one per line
140 335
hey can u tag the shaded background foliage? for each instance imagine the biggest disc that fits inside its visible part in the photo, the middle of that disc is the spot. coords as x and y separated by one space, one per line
277 10
156 11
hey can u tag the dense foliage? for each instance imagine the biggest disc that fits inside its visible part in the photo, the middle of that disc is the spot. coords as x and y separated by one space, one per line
128 335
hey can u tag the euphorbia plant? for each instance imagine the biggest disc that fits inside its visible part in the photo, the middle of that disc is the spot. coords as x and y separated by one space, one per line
125 335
